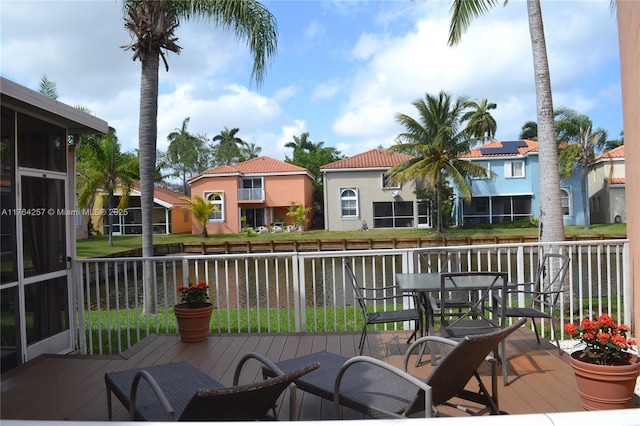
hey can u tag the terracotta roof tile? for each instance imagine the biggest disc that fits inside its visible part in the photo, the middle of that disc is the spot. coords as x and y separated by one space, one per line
613 153
531 146
376 158
615 180
256 166
163 194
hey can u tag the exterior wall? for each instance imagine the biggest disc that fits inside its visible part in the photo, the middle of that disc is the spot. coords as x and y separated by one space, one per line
607 202
280 191
369 186
229 186
629 39
180 220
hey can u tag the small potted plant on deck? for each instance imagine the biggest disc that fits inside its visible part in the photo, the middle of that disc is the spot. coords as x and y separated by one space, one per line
194 312
606 371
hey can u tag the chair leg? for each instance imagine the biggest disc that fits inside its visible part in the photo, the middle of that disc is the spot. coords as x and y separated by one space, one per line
555 335
363 338
535 328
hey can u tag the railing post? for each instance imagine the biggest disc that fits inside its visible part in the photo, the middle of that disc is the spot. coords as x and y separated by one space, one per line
299 296
520 272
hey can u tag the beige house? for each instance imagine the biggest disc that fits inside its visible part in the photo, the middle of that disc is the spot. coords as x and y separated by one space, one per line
607 200
357 195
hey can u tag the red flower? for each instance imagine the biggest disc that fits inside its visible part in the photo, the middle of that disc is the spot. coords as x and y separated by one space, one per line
605 340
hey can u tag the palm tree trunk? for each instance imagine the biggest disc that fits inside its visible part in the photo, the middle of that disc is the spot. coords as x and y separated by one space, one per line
551 221
110 216
147 134
439 217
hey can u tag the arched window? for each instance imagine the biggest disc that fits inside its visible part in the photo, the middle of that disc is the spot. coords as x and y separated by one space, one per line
217 198
349 202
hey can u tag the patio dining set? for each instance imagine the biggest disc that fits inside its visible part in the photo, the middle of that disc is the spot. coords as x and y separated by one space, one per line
460 318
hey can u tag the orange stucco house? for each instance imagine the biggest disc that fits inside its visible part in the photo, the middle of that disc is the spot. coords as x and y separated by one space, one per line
253 193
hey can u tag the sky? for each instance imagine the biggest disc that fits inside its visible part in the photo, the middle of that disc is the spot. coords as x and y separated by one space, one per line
342 71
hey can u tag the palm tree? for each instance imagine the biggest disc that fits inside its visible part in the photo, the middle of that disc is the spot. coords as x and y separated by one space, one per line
551 226
529 130
436 140
152 24
579 152
481 124
229 146
48 87
249 151
300 143
183 153
614 143
201 209
101 165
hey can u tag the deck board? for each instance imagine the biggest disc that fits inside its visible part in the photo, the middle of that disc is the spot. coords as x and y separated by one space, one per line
72 387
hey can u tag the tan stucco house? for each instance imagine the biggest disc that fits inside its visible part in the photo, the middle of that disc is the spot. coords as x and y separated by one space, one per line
169 213
607 199
255 193
357 195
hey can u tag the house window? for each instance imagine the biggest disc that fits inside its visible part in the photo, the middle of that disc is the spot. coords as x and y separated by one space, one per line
565 197
252 189
349 202
217 198
487 167
388 183
397 214
514 169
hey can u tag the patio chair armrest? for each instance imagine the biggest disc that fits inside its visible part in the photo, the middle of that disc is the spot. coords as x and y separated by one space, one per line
423 340
382 298
166 405
261 358
402 374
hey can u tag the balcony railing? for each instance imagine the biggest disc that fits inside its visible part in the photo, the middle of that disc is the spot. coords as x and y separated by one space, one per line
251 194
308 291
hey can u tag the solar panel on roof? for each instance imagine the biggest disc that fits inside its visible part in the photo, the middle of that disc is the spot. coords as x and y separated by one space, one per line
508 147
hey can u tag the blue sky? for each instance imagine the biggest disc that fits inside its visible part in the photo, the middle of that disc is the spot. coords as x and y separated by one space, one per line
342 71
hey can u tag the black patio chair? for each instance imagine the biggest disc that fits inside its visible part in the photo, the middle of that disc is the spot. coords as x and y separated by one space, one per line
542 298
180 391
368 296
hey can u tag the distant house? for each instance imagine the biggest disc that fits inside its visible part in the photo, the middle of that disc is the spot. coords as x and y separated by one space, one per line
169 214
357 194
513 193
607 200
254 193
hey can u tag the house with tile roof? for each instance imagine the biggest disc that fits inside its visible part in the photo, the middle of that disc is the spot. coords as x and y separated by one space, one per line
607 199
511 191
357 194
254 193
169 213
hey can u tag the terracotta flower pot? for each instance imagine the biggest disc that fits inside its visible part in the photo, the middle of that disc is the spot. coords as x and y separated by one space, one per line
193 324
605 387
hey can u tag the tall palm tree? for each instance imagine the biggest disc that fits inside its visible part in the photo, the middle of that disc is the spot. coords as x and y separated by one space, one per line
102 166
580 151
551 226
481 124
300 143
436 140
152 24
201 209
183 153
229 146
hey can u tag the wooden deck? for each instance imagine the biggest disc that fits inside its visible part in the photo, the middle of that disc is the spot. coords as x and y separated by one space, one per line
71 387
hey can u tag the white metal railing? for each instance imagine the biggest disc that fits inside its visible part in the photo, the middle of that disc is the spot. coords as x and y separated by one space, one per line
308 291
251 194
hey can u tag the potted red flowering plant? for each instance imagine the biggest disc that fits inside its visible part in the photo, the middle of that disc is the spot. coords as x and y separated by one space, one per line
606 371
194 312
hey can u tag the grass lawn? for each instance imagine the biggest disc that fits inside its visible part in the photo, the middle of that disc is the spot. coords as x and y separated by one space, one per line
99 246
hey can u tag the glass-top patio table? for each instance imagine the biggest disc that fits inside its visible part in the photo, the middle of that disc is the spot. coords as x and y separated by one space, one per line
472 316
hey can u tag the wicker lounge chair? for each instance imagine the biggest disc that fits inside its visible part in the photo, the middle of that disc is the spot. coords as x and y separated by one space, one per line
180 391
380 390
